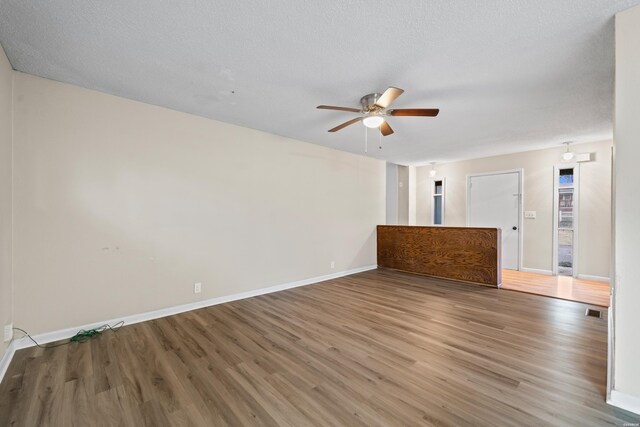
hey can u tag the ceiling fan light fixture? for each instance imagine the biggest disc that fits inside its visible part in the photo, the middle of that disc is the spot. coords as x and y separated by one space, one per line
372 121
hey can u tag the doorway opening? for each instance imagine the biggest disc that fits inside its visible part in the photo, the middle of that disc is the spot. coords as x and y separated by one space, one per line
563 281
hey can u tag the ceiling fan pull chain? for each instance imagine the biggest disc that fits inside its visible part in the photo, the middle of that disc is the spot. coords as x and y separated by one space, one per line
365 140
380 140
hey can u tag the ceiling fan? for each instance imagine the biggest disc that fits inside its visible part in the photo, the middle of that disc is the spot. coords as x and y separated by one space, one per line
375 108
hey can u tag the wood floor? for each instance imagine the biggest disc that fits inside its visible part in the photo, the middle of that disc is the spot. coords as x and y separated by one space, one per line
376 348
569 288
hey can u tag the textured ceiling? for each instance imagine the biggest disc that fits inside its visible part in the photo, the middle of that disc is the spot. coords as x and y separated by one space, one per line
507 75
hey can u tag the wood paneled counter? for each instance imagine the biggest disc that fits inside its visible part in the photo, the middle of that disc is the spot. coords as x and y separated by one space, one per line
467 254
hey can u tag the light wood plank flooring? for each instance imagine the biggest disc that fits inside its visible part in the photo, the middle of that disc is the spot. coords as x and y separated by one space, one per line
569 288
380 348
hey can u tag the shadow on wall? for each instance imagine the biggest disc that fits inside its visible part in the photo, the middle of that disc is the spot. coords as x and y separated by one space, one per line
365 252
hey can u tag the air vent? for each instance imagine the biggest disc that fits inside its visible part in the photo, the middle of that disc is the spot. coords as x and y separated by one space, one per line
593 313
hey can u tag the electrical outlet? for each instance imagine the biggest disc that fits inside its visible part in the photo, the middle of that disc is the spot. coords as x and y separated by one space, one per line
197 288
333 264
8 332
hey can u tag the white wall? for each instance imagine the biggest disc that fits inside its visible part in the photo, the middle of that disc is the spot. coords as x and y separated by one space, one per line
392 194
627 206
120 207
595 202
5 193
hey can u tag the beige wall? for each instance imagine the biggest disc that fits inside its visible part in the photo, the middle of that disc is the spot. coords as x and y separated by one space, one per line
120 207
5 193
595 202
627 205
411 189
392 194
403 195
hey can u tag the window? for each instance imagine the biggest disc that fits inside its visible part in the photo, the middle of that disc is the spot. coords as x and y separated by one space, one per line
566 220
438 202
565 177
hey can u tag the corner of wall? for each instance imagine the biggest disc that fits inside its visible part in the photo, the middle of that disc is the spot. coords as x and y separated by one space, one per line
624 371
6 196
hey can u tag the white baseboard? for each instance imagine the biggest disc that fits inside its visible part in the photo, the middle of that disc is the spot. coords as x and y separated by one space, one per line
580 276
624 401
6 359
537 271
594 278
61 334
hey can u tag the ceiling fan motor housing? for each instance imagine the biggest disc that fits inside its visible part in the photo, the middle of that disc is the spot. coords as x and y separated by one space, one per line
368 103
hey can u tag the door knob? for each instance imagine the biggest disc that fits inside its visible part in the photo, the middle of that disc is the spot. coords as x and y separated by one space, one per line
514 227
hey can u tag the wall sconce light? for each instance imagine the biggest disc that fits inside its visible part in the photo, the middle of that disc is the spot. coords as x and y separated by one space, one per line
432 172
567 156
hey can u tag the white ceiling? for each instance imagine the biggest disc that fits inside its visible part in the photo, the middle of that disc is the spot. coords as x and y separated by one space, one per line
507 75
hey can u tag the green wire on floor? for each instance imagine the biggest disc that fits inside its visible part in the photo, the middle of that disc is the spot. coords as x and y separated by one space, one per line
80 337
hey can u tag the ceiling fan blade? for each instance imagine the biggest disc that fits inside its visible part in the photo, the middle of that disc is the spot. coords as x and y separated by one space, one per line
385 129
345 124
388 96
424 112
331 107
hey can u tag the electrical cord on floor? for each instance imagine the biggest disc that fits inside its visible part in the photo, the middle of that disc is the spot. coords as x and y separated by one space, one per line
81 336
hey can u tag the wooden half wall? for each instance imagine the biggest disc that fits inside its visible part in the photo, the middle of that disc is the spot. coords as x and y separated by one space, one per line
467 254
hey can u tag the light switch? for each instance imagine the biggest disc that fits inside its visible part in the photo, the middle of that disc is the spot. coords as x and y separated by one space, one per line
530 214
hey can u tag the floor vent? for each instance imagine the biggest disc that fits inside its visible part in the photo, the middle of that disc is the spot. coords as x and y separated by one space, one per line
593 313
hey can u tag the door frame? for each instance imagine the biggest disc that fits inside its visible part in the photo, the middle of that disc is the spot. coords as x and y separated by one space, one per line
611 338
576 215
520 173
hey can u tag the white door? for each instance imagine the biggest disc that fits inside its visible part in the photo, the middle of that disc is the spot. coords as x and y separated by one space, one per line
494 201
